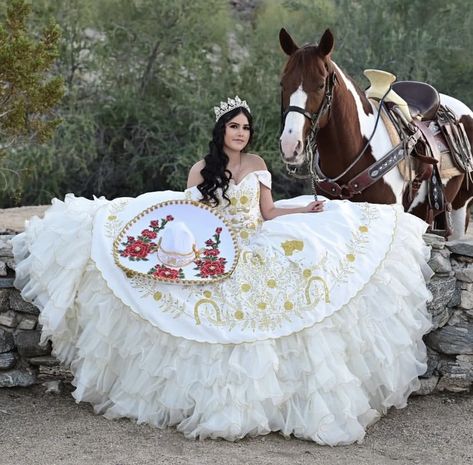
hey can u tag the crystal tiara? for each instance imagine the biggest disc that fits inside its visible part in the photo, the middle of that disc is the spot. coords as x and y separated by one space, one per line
230 105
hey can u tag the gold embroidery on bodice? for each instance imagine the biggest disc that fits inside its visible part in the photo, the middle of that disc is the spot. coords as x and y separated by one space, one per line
243 214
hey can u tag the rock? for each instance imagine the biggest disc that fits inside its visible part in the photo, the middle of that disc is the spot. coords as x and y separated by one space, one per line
17 377
460 247
456 298
11 264
460 317
452 339
8 319
436 242
4 299
456 369
466 300
53 387
6 283
7 360
3 268
427 386
453 385
44 360
465 274
440 263
6 250
442 317
432 363
19 305
27 344
463 259
465 286
443 290
7 343
465 359
28 322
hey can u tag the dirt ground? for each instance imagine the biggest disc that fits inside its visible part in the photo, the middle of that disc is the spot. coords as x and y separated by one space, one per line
37 428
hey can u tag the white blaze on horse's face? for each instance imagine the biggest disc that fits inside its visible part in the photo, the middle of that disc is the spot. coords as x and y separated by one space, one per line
292 140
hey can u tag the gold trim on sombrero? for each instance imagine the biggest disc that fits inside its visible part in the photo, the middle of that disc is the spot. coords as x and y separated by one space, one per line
130 273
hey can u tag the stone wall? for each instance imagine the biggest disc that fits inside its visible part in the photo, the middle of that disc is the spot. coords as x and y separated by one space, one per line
21 356
449 345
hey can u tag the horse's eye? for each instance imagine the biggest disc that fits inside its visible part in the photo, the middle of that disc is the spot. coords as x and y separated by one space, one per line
321 86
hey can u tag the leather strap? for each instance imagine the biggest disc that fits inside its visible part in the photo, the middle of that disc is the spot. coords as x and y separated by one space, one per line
367 177
429 137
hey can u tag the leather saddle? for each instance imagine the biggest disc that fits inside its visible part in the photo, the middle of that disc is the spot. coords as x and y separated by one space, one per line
423 99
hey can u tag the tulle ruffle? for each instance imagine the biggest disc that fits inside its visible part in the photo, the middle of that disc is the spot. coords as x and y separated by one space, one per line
326 383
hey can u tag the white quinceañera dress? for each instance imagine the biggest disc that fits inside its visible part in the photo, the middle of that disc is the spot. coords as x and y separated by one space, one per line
317 332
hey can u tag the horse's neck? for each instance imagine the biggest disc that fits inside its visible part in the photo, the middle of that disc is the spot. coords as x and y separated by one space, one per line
350 125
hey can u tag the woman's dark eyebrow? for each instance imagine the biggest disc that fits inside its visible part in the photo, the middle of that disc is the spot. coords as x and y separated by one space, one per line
245 126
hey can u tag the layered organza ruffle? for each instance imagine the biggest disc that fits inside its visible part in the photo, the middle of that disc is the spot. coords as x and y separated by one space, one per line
326 383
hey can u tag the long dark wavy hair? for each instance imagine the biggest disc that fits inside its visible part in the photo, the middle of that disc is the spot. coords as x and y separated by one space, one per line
215 172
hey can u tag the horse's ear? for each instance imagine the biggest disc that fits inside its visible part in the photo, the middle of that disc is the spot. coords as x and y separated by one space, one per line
326 43
287 44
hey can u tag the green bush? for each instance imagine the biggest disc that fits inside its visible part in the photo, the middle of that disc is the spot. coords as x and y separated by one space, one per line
141 82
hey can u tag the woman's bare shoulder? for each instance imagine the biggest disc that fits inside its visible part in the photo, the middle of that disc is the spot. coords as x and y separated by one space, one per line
195 177
255 162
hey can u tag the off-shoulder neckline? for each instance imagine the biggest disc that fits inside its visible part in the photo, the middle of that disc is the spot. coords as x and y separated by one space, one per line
247 174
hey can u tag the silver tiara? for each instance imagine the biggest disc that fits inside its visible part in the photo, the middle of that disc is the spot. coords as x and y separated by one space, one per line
230 105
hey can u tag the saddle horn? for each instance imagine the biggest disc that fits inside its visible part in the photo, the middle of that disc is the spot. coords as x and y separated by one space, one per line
381 82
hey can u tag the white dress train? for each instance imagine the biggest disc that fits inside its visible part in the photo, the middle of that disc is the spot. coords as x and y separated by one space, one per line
319 329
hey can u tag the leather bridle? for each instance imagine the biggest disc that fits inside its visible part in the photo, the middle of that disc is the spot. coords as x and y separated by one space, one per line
310 143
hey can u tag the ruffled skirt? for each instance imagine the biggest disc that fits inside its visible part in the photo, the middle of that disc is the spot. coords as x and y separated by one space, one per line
325 383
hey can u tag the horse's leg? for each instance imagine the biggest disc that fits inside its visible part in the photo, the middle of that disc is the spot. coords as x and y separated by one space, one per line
460 210
460 213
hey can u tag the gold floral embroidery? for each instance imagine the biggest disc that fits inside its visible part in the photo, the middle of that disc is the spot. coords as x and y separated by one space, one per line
290 247
113 225
256 298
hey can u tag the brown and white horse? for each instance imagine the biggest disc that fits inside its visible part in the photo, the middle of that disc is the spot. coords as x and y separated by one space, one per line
309 78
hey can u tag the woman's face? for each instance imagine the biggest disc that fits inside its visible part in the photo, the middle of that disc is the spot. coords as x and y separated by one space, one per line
237 133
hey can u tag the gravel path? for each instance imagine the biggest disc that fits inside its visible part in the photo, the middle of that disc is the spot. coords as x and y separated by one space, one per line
37 428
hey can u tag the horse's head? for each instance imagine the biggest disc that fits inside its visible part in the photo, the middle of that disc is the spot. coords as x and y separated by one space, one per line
307 82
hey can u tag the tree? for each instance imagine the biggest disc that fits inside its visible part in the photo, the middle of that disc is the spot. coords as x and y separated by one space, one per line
28 93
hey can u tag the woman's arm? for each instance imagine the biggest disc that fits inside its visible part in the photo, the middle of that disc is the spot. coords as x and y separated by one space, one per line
270 211
195 178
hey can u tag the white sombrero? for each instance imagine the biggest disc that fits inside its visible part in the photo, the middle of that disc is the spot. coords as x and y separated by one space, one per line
180 241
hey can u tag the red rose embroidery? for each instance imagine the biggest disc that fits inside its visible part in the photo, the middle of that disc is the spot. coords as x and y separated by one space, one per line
212 268
166 273
138 249
211 252
149 234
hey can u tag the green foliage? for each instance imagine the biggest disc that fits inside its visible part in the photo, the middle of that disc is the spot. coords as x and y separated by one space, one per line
142 77
27 93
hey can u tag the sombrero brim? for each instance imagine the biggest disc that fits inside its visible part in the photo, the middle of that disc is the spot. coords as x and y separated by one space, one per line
135 249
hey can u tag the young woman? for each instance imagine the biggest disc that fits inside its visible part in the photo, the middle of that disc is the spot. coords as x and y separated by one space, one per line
306 324
227 161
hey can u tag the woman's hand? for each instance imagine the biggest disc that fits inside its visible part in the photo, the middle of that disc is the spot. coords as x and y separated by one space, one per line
314 207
